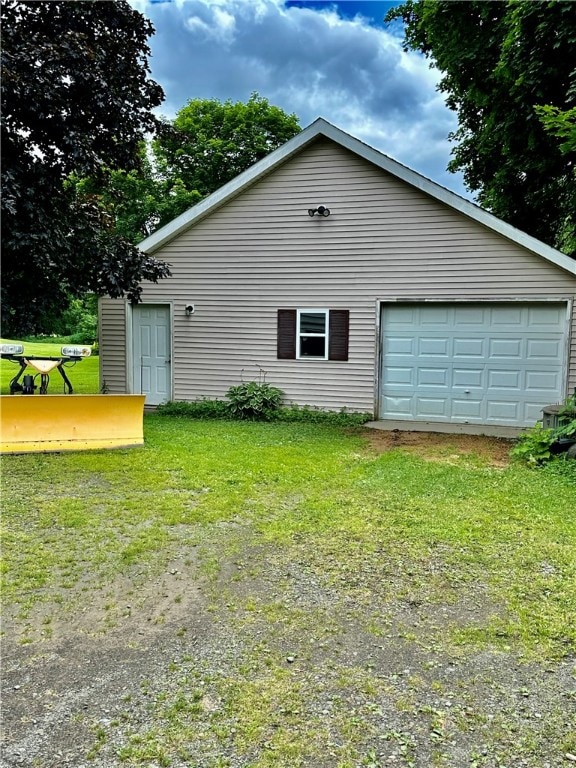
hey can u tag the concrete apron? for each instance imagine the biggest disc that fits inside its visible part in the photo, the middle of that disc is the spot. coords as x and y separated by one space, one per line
390 425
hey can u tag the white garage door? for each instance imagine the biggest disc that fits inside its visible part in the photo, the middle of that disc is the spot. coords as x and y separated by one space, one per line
472 363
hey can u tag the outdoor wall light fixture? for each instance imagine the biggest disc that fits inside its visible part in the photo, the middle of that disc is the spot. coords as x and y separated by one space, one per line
189 309
321 211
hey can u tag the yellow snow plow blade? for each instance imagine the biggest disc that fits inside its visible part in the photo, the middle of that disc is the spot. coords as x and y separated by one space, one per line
43 423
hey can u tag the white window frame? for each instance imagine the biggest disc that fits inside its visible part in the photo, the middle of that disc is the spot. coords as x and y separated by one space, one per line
326 313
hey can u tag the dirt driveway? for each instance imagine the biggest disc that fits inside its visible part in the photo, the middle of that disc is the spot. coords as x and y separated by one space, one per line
272 663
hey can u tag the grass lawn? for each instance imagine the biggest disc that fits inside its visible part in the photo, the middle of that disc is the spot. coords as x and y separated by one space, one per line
82 375
326 604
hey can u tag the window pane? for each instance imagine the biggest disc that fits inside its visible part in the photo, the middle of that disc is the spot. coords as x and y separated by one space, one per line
312 322
312 346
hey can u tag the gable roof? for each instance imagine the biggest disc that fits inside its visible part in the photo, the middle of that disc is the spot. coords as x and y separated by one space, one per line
322 128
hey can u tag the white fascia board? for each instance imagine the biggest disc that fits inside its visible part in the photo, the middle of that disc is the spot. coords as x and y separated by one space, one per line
321 127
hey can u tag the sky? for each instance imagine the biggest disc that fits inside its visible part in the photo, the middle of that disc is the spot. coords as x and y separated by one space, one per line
315 58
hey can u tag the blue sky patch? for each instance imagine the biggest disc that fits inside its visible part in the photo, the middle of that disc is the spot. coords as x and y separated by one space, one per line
372 10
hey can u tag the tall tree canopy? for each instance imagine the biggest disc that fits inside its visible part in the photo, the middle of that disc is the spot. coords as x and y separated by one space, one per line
76 100
208 143
211 142
509 71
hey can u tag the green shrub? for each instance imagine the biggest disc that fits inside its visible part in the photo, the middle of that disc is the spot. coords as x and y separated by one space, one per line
534 445
567 430
80 320
568 407
220 409
46 339
254 401
81 337
199 409
311 415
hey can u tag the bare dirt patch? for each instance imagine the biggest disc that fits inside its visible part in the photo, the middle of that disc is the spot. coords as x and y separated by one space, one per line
435 446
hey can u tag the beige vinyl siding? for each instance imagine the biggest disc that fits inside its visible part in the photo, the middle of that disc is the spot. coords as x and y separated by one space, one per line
112 329
383 241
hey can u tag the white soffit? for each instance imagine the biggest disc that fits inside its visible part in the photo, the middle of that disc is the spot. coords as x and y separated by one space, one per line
317 129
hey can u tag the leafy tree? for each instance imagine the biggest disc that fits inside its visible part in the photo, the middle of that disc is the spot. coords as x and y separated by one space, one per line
210 142
561 124
139 200
149 202
79 321
76 100
508 71
206 145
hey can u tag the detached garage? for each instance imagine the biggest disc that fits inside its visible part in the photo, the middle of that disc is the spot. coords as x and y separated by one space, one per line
349 281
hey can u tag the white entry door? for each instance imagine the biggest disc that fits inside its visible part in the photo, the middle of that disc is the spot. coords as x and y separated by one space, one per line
151 334
498 363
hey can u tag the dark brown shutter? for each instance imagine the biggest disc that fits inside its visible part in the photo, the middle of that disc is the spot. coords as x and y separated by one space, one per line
338 340
286 334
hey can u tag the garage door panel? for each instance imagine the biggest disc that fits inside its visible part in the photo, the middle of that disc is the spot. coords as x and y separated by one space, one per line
400 317
433 377
432 407
507 316
469 348
504 380
542 381
399 345
511 349
492 364
543 349
545 318
439 316
470 409
439 347
395 375
502 411
402 406
468 377
532 412
474 316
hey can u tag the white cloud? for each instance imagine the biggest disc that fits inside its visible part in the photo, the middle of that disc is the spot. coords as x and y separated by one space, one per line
218 26
310 62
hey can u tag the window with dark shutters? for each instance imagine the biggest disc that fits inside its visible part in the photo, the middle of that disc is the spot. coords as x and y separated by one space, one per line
286 334
338 334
